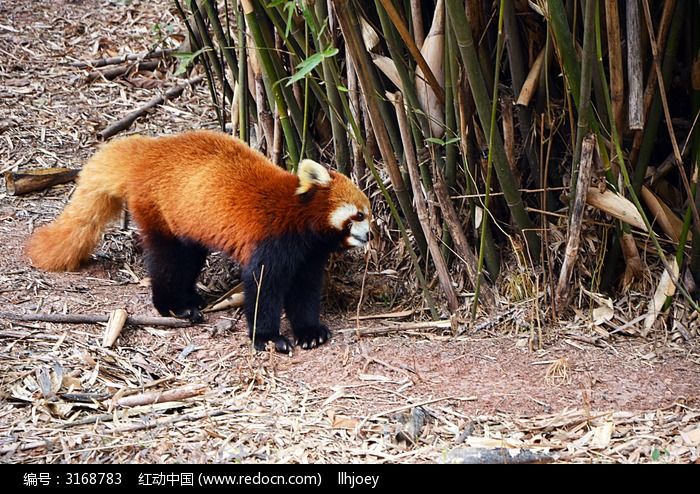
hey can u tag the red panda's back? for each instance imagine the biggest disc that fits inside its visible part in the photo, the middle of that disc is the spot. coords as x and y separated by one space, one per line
211 188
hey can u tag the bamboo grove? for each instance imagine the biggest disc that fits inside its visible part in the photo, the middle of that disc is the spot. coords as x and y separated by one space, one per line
481 127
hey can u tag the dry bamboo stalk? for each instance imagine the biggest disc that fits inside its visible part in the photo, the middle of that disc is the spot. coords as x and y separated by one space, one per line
126 121
650 90
413 49
417 21
419 201
95 318
509 134
617 84
434 53
153 397
33 180
634 267
532 81
635 74
577 210
115 324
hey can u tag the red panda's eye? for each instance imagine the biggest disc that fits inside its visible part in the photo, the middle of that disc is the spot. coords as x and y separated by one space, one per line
360 216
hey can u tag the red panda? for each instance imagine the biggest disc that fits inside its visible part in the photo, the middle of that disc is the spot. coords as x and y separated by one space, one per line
202 191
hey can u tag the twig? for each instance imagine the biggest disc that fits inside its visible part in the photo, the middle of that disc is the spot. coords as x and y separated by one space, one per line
123 58
126 121
96 318
190 417
443 324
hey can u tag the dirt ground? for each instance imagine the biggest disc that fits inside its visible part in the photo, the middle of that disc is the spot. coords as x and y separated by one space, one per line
421 395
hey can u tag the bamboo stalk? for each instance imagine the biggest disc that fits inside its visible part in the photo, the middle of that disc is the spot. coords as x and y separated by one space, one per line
582 126
465 42
617 84
413 49
575 218
420 203
350 27
340 141
274 89
635 75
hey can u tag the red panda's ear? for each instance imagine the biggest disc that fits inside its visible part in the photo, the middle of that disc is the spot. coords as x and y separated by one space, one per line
311 173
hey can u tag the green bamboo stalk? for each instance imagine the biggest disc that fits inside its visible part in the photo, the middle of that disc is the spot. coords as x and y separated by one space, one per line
270 77
465 42
243 93
629 186
210 52
204 61
516 64
350 27
489 167
408 88
340 140
262 14
582 127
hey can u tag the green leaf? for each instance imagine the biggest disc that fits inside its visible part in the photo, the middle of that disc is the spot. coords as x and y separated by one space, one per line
311 63
342 89
186 58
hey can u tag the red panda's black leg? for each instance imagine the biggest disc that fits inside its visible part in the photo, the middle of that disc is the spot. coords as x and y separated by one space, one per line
302 303
267 278
174 265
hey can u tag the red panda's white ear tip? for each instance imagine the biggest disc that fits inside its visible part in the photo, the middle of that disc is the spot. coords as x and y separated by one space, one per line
311 173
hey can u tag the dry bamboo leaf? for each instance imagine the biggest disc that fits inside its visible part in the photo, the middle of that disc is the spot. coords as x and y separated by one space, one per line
666 288
344 422
531 82
692 437
369 35
616 206
386 65
116 322
602 435
663 215
433 52
604 310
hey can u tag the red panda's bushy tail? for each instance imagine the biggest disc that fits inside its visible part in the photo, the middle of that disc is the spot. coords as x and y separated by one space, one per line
69 240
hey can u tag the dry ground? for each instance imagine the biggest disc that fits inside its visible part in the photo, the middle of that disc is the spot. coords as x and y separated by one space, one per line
583 398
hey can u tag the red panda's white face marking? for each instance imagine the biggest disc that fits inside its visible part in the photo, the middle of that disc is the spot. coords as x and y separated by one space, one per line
348 217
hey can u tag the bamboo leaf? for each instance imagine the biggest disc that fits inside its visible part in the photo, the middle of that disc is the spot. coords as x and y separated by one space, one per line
310 64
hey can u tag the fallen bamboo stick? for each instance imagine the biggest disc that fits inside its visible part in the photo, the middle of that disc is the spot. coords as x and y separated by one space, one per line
130 57
96 318
126 121
153 397
33 180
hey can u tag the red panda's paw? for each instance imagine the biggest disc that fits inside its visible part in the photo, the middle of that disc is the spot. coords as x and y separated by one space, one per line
309 337
193 314
282 344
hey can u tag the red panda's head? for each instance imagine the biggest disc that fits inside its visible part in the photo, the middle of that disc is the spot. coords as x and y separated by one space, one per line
348 209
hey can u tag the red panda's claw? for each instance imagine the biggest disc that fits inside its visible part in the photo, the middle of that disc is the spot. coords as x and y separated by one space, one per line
282 344
312 336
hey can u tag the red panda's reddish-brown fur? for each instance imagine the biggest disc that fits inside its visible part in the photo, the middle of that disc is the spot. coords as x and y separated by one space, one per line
202 191
182 185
